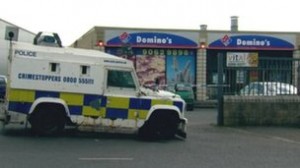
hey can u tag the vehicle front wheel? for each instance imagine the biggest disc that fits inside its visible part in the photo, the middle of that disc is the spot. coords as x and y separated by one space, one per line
160 126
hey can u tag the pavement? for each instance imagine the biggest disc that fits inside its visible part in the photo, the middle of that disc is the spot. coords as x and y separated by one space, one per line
206 104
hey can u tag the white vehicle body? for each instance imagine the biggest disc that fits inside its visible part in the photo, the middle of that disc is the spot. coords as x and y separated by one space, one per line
92 89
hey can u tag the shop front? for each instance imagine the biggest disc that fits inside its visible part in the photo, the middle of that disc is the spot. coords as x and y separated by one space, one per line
160 58
242 54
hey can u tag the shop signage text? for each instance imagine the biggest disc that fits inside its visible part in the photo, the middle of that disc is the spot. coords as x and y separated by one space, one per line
170 52
252 42
153 40
241 59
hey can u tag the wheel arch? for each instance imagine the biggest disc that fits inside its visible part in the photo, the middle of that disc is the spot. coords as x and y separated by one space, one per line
48 100
156 108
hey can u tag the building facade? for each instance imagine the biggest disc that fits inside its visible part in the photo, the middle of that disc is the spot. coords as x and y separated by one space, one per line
169 56
20 34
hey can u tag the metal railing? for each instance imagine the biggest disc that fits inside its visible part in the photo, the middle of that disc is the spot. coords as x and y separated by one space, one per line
272 76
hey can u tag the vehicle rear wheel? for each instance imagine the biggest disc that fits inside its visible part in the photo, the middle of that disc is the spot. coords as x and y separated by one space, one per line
48 121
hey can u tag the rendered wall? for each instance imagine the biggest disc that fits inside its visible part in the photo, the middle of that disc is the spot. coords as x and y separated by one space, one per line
261 110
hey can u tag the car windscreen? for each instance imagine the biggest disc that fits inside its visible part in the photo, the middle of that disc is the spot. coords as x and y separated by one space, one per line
183 88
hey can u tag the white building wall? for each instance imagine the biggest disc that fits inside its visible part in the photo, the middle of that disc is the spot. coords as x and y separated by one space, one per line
23 35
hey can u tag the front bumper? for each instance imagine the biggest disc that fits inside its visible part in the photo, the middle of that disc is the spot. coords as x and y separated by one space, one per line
181 132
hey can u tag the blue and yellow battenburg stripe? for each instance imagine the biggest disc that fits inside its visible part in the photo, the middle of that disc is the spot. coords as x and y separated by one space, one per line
89 104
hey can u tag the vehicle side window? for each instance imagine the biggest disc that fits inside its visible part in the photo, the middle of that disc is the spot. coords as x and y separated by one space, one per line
117 78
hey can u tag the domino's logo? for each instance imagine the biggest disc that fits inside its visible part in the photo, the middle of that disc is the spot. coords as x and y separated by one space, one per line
226 40
125 37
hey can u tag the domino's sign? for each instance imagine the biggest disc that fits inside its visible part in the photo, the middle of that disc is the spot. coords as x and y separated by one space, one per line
254 42
153 39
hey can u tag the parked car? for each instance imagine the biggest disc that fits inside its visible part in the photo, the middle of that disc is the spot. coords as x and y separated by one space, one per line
2 87
186 92
268 89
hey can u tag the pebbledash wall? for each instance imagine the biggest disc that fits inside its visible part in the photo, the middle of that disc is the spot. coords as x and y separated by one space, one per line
188 56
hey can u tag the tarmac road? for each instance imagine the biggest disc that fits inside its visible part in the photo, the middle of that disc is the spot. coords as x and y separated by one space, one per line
207 146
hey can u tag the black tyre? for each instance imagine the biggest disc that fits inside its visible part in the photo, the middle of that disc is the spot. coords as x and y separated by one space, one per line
147 133
161 125
48 119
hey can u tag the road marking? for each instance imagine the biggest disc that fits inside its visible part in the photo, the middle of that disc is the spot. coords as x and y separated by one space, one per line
285 140
265 135
105 159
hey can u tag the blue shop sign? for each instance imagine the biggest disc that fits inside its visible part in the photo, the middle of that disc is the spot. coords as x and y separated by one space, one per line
252 42
152 39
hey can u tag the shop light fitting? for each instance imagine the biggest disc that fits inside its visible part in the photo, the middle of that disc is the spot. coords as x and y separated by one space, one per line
202 45
100 43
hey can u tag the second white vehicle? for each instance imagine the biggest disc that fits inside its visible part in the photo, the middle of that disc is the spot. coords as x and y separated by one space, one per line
268 89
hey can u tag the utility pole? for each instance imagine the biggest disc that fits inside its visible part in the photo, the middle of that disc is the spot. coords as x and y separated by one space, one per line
220 89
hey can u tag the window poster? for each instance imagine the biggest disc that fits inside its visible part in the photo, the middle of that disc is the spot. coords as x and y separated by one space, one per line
180 69
151 70
163 67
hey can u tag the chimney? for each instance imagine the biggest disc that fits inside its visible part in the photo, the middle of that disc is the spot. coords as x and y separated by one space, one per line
234 23
203 27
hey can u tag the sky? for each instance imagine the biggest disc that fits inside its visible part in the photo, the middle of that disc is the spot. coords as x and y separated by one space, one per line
72 18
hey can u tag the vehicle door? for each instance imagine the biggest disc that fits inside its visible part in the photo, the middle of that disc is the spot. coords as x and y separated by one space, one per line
121 94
